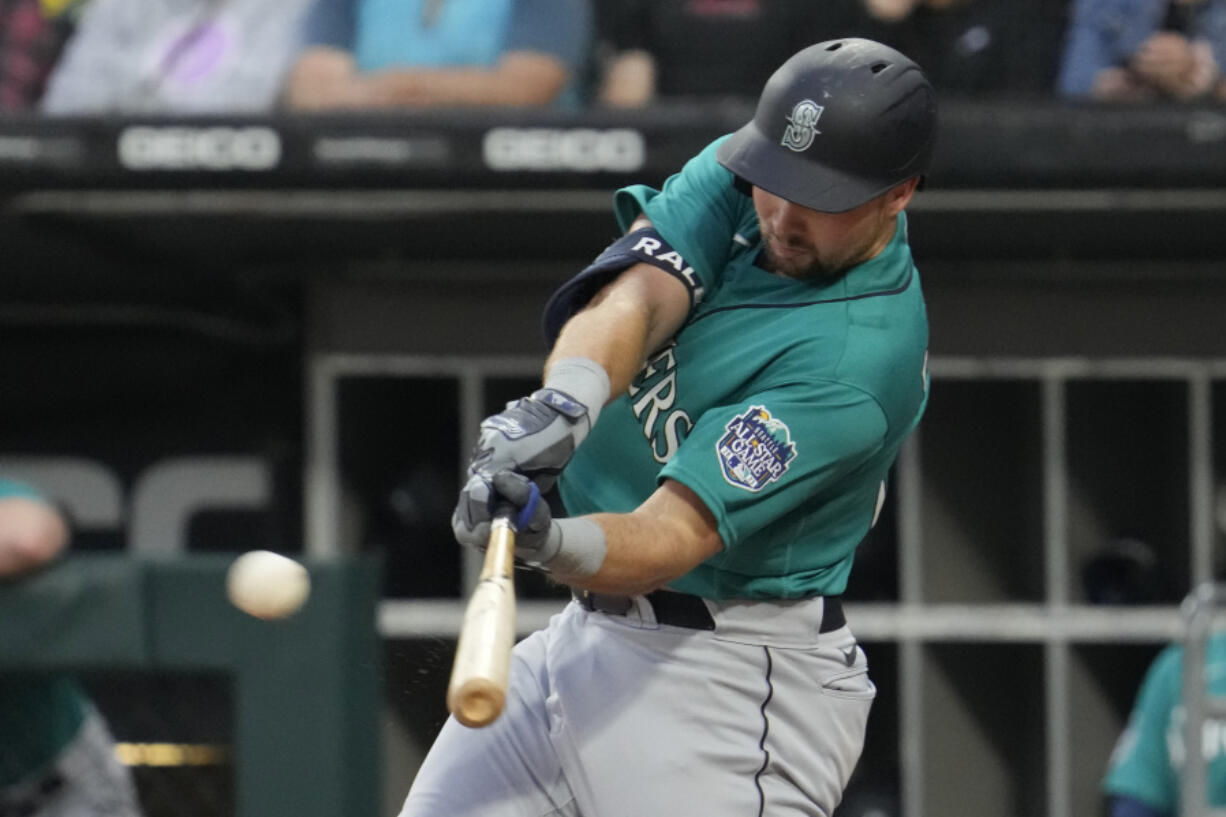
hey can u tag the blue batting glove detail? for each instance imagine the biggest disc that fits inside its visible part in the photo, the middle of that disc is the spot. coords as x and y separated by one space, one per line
529 508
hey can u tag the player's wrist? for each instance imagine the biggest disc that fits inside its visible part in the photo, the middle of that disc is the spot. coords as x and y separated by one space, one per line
585 381
574 548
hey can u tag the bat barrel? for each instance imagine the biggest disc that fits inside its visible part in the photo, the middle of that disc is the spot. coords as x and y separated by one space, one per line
477 702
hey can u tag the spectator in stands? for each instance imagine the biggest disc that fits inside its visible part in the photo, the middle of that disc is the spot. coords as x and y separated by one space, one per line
182 57
652 49
57 756
370 54
32 35
1144 777
976 47
1142 50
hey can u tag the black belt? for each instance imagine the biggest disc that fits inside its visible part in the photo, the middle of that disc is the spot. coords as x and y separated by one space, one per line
684 610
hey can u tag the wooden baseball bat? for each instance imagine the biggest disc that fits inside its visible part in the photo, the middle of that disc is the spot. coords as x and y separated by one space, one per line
478 687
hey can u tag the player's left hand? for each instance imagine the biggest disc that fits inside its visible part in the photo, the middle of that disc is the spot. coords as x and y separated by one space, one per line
537 539
535 435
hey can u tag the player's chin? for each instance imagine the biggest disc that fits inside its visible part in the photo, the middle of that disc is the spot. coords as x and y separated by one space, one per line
791 263
803 268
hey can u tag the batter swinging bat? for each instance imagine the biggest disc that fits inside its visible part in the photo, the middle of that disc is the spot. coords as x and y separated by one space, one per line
478 687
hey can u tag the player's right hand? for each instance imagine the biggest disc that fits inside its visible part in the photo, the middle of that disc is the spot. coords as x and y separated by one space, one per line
534 436
537 540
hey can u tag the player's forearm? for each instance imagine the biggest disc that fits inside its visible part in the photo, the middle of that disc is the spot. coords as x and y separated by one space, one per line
638 558
661 540
625 322
614 338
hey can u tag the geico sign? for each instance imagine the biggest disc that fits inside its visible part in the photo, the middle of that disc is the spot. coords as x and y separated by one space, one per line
586 150
213 148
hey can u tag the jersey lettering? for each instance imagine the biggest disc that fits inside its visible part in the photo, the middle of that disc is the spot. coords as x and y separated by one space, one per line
672 436
649 371
1213 738
880 504
659 397
656 399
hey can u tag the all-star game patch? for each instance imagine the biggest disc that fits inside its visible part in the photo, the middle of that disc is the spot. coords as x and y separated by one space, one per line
756 450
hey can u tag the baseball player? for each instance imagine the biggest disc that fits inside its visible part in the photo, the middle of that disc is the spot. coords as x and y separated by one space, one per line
728 386
1143 778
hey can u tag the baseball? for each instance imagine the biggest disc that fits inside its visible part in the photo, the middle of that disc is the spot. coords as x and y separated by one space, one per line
267 585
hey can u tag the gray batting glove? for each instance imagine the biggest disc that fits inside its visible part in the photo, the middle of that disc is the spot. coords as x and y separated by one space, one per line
535 436
537 538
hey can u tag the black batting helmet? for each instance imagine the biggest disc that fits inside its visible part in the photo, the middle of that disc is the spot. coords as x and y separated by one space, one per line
838 124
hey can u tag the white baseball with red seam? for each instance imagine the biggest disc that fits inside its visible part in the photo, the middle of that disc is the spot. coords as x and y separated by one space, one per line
267 585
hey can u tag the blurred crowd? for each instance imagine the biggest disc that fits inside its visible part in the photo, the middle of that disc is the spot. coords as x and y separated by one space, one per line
90 57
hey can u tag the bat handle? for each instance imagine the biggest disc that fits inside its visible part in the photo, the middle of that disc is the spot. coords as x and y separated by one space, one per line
505 513
500 549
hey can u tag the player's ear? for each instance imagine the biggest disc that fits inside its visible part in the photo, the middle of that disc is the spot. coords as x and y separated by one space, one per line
899 196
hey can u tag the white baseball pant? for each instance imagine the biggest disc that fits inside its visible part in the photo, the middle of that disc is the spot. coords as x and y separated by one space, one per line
617 716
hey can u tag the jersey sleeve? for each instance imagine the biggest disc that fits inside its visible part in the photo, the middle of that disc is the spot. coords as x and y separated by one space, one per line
1140 765
759 460
698 212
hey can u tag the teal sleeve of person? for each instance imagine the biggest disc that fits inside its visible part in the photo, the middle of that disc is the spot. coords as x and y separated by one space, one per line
698 211
1141 764
9 488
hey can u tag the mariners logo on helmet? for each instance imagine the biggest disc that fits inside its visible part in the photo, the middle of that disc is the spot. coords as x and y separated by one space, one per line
799 134
756 450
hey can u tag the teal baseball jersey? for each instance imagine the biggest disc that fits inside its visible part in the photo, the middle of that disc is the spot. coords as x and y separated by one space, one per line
1149 754
781 403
